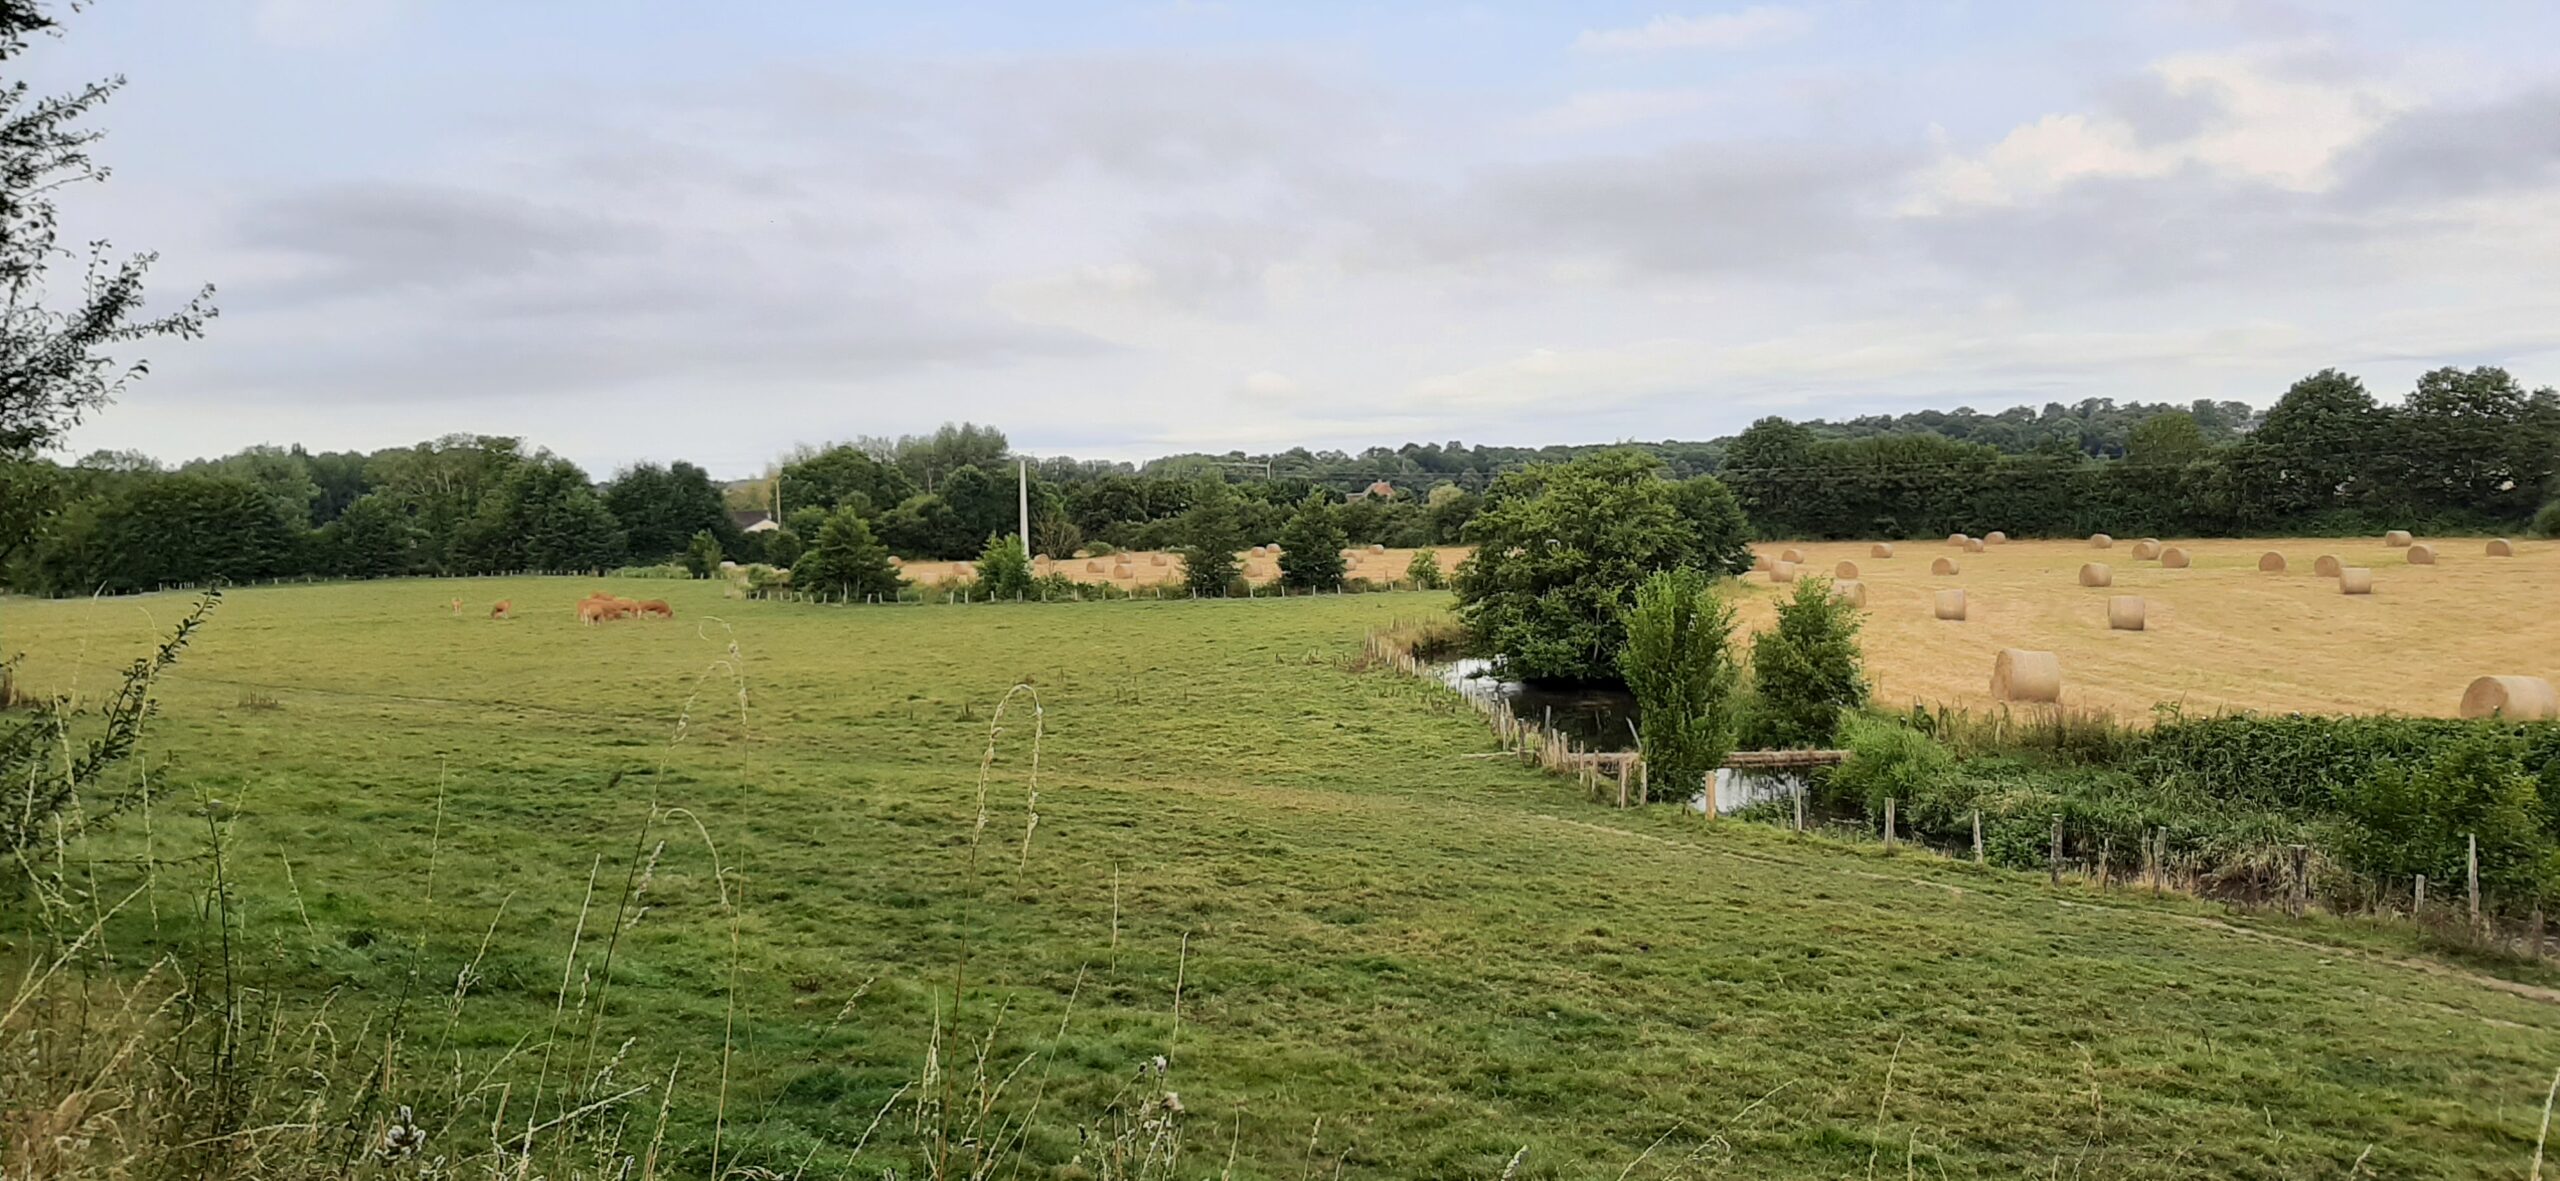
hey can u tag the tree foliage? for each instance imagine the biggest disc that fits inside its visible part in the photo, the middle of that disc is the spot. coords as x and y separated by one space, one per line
661 508
1311 547
1679 663
846 562
1560 550
1004 571
1806 669
702 555
56 362
1211 535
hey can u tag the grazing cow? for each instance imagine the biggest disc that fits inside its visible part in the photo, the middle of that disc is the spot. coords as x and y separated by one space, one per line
457 608
505 609
594 611
659 608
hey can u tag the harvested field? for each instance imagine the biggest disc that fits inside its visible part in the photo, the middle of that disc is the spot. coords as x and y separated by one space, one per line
2219 634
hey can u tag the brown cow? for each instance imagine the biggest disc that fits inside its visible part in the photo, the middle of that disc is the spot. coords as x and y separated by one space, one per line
505 609
457 608
594 611
659 608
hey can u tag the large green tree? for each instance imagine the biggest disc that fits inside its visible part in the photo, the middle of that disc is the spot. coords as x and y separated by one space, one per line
843 476
661 508
1211 535
846 562
1806 669
1311 546
373 538
1679 663
1560 550
546 517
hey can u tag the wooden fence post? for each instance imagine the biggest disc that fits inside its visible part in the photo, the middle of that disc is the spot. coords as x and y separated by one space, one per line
2106 860
1977 836
1799 807
2471 874
1715 804
2418 897
1888 824
2053 864
2301 879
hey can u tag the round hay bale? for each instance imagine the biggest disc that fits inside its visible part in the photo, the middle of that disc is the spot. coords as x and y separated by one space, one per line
2271 562
1850 591
1124 570
1958 539
1782 572
895 560
1973 545
2500 547
2101 540
1996 537
2022 674
1376 548
1257 551
1158 560
1943 566
2096 574
2398 538
2173 558
1792 554
1760 563
1093 567
2326 565
1039 559
1880 550
2124 612
2146 549
964 570
2516 699
1846 569
2422 555
1951 604
2355 580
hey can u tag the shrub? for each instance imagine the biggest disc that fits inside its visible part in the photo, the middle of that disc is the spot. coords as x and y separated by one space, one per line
1004 571
1100 549
1679 663
659 571
1806 669
2547 522
2409 819
702 554
1889 760
1424 571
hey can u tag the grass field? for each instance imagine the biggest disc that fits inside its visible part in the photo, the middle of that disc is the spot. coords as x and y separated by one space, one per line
2220 635
1365 947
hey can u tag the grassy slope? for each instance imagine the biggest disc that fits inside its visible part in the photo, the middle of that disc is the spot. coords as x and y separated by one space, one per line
1442 957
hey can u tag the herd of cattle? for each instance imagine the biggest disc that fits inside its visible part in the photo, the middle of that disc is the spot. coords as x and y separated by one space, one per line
594 609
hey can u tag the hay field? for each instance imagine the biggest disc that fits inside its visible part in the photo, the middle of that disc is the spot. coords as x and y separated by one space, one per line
1151 568
2219 634
1440 956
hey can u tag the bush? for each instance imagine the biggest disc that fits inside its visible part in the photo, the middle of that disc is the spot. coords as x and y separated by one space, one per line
1889 760
1679 663
2406 819
1100 549
1805 669
661 571
2547 522
1004 571
702 554
1424 571
1211 535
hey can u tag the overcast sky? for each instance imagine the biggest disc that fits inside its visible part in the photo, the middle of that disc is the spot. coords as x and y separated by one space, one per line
629 229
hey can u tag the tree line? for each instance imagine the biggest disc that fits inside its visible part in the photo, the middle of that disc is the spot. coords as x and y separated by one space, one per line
2465 449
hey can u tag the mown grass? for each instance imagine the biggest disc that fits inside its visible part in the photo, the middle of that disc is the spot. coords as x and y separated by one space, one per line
1395 957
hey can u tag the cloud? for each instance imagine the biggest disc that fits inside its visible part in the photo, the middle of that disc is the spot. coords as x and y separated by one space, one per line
1608 110
1748 28
2263 116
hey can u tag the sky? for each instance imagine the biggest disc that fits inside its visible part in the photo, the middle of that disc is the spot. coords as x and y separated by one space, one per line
635 229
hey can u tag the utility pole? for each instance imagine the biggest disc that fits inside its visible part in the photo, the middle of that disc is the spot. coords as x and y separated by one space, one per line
1022 494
